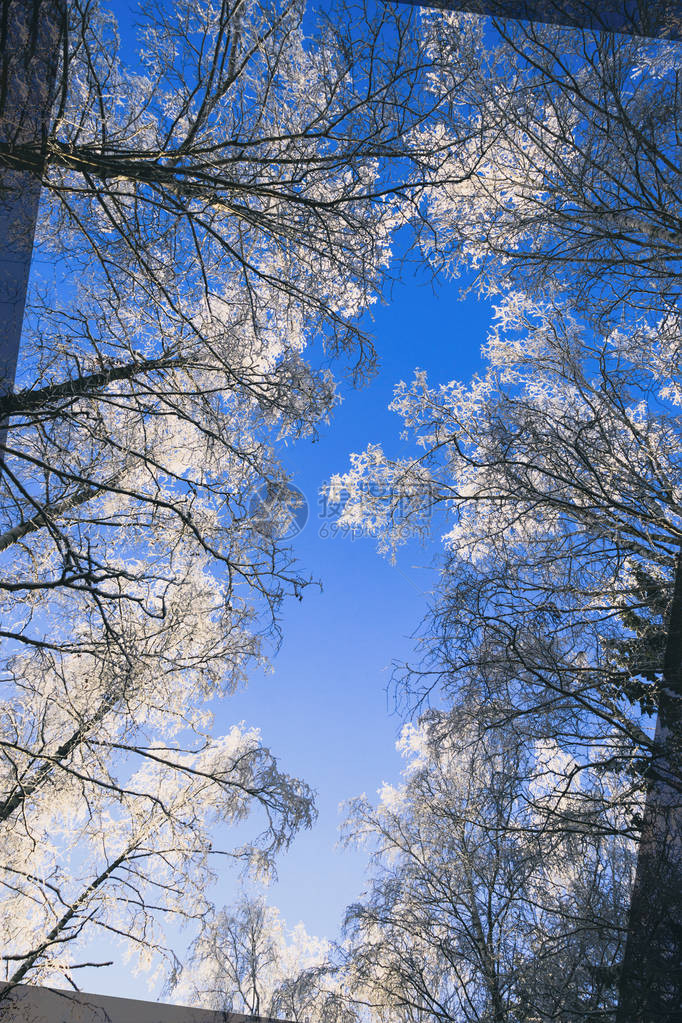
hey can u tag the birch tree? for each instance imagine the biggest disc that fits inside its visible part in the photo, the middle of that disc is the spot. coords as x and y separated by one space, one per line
224 205
476 909
558 469
111 859
246 960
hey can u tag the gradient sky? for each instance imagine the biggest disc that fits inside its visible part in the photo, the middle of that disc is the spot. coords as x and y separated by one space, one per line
324 710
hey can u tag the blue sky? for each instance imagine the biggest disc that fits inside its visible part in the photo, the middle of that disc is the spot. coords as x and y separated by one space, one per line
324 710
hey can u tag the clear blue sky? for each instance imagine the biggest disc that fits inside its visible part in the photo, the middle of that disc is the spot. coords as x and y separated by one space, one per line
324 711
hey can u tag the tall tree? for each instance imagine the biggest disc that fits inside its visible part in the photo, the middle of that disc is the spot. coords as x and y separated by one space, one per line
480 905
562 160
243 959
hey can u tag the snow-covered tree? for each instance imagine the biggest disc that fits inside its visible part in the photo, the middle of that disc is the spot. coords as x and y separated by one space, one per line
562 151
246 960
209 213
479 906
558 469
113 858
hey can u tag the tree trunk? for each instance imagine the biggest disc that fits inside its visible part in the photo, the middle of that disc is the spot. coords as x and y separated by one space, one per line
661 18
651 983
29 51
